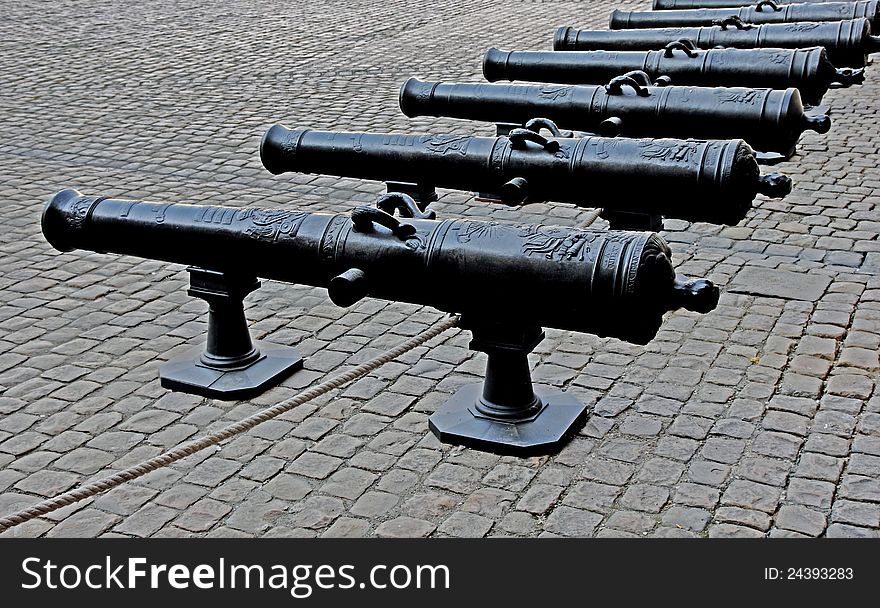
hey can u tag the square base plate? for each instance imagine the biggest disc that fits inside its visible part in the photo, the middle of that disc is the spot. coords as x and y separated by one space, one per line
186 374
455 423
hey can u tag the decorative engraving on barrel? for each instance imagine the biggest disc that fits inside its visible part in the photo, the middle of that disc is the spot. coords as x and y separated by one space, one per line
79 211
653 257
270 224
291 142
564 151
446 144
554 92
802 27
649 250
779 58
604 146
131 205
610 253
612 258
665 150
470 231
685 94
496 160
555 243
424 93
331 236
213 215
718 59
748 96
417 242
160 213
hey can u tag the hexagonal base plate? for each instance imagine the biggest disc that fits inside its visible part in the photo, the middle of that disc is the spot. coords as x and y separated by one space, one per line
454 423
186 374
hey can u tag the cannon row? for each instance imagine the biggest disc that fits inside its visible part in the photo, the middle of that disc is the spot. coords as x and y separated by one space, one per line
643 124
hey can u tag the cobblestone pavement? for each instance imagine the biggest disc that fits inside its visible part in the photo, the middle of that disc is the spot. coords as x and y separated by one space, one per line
761 418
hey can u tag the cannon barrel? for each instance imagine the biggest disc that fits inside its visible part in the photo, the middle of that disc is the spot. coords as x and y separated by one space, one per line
712 181
756 13
848 43
768 120
662 5
807 70
609 283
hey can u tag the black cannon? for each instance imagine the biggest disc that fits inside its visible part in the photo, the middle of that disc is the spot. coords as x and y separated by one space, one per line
762 12
713 181
807 70
848 43
506 281
661 5
768 120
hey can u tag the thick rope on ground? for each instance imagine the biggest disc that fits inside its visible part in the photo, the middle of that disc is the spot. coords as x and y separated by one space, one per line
592 216
196 445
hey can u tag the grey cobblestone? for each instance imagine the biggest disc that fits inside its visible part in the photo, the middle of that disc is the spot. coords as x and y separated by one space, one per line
732 531
819 466
567 521
466 525
810 492
751 495
491 502
744 517
405 527
88 523
146 520
801 519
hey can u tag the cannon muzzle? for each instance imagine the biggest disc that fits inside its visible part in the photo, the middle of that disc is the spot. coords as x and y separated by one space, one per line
495 64
278 149
59 224
415 95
